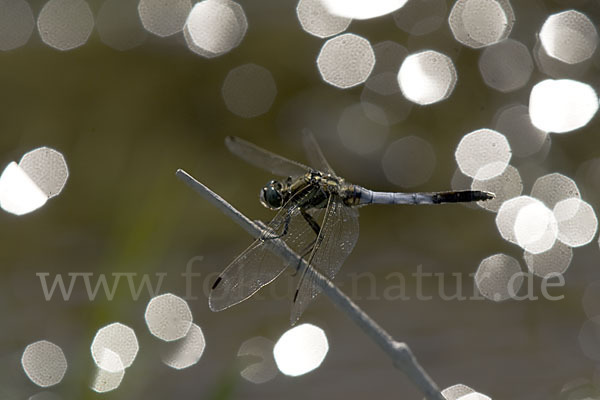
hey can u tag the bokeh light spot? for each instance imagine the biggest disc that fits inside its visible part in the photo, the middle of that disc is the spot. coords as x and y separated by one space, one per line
363 128
110 376
249 90
504 186
562 105
589 338
16 24
569 36
186 351
316 19
478 23
408 161
524 138
18 192
577 222
346 60
555 187
47 168
300 350
44 363
506 66
507 215
421 17
65 24
119 25
362 9
116 338
427 77
495 277
536 228
553 261
389 56
455 392
215 27
164 17
475 396
483 154
168 317
263 370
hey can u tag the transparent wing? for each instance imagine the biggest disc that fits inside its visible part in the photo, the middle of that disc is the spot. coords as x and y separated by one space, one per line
314 154
258 265
338 235
264 159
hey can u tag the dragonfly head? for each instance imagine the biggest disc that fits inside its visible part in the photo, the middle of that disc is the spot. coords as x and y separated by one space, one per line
271 195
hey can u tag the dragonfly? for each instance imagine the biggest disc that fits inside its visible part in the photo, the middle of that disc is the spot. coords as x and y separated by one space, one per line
317 217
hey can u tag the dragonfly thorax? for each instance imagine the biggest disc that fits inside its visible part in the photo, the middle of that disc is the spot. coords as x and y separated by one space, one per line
271 195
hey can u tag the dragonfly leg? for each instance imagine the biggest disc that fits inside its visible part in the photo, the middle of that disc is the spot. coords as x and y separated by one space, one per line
307 250
286 225
311 221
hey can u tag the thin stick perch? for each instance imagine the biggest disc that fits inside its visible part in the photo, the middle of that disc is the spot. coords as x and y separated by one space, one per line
399 352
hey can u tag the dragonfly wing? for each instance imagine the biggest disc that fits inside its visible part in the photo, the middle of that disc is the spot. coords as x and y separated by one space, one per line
264 159
338 235
257 266
314 154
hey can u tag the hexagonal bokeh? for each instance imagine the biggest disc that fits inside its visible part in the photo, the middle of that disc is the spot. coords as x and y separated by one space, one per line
408 162
498 277
249 90
164 17
215 27
186 351
114 347
554 67
381 89
589 338
65 24
524 138
427 77
535 228
553 261
363 128
569 36
421 17
457 391
301 349
119 25
261 371
44 363
389 56
40 175
168 317
554 187
577 222
477 23
361 9
506 66
105 381
483 154
317 20
47 168
16 22
346 60
504 186
562 105
507 215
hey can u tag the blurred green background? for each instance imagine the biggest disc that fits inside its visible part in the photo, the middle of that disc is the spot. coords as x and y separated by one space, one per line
125 121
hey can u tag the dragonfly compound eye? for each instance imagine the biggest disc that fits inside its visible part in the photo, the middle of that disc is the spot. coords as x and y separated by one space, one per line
270 195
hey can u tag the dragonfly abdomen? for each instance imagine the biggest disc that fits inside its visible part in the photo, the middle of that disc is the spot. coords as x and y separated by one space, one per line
366 196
